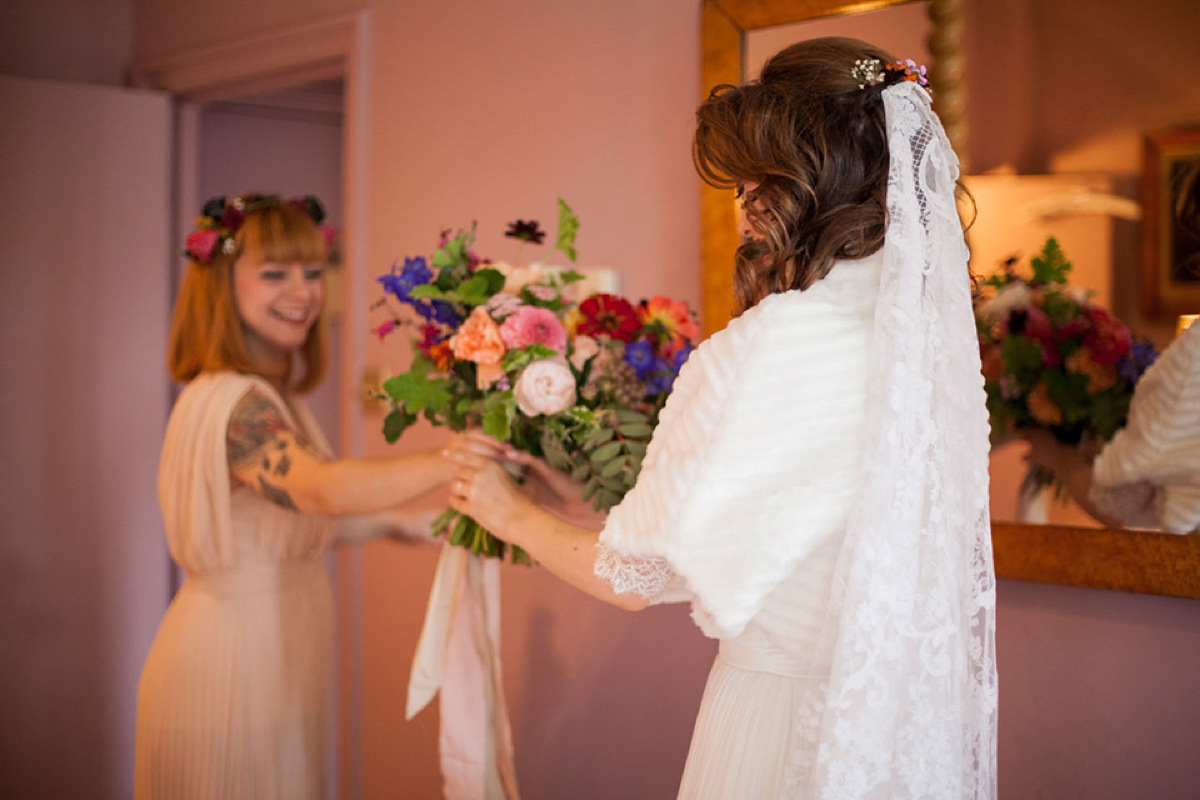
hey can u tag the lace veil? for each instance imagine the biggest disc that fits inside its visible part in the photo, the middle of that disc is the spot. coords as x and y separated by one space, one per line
910 706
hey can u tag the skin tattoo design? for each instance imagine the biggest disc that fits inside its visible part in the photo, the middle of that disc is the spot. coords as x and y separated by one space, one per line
257 430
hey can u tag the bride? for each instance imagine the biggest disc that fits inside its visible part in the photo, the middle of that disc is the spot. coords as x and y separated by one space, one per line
817 486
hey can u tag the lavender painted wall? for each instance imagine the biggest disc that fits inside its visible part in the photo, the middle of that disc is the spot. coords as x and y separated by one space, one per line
83 404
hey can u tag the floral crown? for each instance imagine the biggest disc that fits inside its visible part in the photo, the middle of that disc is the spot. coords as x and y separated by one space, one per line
872 72
220 221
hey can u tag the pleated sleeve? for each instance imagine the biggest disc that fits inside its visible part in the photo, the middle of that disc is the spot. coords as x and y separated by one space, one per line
1149 474
752 466
193 476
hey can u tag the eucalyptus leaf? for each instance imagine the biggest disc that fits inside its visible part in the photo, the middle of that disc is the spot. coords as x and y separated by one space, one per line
605 452
612 467
635 429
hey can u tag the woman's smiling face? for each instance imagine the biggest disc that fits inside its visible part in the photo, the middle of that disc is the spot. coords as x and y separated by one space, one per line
278 303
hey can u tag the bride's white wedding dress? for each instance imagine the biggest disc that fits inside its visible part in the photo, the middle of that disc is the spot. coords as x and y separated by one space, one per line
757 461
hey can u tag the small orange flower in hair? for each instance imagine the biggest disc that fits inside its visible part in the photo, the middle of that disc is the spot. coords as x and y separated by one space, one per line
872 72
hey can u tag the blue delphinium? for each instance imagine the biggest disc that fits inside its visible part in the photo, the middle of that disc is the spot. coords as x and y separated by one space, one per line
1139 358
640 356
662 378
415 273
682 356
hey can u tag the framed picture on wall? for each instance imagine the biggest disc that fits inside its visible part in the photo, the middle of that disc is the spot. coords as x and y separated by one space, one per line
1171 252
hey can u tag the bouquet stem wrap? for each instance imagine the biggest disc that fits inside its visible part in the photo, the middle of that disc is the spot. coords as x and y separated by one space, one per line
459 654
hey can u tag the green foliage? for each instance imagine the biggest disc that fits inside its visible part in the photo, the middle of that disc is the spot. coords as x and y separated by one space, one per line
395 423
1052 265
1022 357
519 359
568 225
454 252
416 391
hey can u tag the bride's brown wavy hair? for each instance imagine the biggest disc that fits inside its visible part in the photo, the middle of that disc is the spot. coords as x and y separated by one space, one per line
816 145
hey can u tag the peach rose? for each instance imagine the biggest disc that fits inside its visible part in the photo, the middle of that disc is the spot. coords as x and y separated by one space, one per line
479 340
1100 376
585 348
1042 407
545 387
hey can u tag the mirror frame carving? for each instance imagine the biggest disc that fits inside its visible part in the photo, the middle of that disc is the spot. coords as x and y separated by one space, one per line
1119 560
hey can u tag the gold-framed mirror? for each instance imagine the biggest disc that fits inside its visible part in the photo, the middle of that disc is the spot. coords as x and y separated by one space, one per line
1120 560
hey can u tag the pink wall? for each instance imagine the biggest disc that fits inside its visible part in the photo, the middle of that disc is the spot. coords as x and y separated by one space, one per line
85 41
488 112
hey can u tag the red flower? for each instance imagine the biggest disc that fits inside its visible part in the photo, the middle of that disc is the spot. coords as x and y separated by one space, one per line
608 315
232 219
202 244
1039 328
1107 339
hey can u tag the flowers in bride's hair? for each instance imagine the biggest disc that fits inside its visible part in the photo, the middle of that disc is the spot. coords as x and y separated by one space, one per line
545 387
530 325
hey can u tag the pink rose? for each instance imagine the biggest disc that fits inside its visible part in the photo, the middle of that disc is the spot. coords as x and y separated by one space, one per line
545 387
531 325
202 244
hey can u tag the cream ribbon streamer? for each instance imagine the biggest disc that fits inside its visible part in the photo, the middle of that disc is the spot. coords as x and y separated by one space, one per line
459 654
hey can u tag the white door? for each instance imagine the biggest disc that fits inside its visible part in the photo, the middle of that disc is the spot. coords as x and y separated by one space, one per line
85 259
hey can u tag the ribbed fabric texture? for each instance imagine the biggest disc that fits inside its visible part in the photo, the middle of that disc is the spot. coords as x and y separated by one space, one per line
1150 472
753 464
234 700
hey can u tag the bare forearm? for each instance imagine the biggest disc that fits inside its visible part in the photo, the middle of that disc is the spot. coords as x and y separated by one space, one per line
567 550
371 485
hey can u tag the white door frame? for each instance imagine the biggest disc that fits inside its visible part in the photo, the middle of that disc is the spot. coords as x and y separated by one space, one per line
335 47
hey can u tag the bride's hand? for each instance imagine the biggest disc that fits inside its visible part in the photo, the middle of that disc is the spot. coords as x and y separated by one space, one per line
484 491
555 490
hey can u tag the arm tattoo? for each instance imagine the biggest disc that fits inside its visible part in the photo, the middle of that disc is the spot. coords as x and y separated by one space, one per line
255 423
276 494
259 435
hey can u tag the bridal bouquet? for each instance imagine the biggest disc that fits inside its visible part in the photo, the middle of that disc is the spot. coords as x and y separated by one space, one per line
505 348
1054 359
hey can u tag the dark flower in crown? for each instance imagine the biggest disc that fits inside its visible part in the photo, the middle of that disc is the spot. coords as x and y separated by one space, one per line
312 206
526 231
220 220
214 208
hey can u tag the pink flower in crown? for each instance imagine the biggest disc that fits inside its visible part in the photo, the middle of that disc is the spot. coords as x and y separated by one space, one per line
202 244
530 325
328 233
